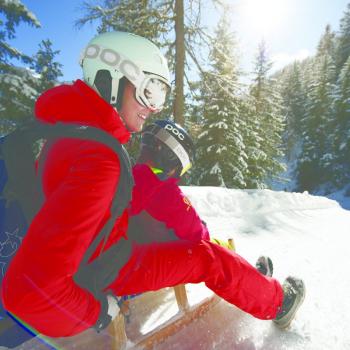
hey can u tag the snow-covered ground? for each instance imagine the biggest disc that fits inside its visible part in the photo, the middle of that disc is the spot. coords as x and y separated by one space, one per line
306 236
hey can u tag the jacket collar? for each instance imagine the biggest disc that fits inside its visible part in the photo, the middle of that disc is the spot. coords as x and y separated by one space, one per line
79 103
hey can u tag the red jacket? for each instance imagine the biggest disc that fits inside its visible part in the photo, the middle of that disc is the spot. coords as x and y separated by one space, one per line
79 181
159 205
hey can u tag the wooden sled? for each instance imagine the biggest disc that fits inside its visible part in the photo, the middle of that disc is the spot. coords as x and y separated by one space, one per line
186 314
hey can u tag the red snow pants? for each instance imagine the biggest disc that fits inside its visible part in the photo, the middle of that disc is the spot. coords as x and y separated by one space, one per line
158 265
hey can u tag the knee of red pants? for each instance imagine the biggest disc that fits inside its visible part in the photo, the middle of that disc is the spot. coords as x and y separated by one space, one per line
158 265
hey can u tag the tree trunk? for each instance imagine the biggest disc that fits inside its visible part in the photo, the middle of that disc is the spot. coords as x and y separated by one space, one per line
179 62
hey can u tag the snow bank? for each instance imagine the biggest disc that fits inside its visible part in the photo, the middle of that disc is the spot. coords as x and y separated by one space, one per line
213 201
307 236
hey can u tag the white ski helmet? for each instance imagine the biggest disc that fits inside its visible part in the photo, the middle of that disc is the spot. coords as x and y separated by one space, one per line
112 56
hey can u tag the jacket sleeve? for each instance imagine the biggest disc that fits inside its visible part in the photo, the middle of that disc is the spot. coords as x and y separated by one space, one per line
171 206
39 287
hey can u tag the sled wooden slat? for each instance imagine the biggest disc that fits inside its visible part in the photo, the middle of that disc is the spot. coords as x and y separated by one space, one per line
181 297
117 332
176 323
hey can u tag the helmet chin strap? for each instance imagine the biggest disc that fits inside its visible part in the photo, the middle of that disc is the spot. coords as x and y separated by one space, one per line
111 90
118 87
103 84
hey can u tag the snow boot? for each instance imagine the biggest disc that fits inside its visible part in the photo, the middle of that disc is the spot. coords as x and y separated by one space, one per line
264 266
294 294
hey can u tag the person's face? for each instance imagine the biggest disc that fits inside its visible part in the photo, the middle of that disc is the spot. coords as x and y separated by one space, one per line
133 113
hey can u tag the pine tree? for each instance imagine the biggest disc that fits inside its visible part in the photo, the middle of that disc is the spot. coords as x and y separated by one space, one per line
343 42
148 18
46 67
267 125
17 96
317 96
340 133
221 158
21 87
327 44
291 83
13 13
315 165
294 99
17 85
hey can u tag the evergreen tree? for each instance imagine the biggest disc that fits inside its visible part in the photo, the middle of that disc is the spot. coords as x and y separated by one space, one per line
315 164
148 18
291 83
340 133
17 95
343 42
21 87
17 85
46 67
13 13
221 158
316 97
327 44
294 100
267 125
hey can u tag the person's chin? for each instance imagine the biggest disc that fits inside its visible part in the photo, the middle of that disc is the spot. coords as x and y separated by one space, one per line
136 126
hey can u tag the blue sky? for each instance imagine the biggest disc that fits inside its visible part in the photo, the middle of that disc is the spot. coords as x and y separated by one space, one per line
291 29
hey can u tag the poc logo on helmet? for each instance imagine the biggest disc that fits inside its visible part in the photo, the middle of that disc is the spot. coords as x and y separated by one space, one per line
175 131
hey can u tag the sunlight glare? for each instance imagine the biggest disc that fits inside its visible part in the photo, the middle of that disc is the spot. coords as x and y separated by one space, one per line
263 16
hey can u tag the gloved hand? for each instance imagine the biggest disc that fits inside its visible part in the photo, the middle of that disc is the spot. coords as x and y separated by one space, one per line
109 311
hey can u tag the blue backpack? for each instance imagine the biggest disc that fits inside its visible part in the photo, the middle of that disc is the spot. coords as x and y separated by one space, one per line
21 198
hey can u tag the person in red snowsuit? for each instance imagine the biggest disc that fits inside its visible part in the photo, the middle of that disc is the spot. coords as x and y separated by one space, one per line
173 239
79 179
157 206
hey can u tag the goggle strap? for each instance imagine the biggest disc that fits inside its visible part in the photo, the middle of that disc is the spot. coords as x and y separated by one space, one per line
184 170
175 146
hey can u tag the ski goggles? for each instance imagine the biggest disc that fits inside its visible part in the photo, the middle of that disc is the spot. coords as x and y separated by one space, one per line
151 89
152 92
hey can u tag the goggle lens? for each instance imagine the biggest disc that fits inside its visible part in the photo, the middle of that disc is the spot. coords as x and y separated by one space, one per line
152 93
155 93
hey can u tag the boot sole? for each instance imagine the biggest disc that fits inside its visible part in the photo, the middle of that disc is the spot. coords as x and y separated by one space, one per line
286 325
267 262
